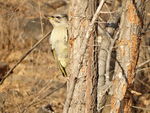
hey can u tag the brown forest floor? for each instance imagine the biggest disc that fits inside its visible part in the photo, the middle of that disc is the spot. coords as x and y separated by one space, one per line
27 87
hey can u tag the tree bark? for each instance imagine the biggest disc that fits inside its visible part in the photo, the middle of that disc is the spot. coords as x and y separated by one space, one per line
127 56
104 56
88 85
81 95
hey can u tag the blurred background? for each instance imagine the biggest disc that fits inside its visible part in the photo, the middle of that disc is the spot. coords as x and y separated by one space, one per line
37 82
33 83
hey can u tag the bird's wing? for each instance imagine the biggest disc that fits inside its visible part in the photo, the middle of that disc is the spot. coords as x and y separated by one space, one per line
62 69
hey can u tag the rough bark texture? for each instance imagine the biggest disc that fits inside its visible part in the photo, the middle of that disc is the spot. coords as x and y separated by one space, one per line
83 99
91 80
82 94
127 56
102 58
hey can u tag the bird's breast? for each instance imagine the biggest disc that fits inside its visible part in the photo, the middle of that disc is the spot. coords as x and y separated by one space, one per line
58 36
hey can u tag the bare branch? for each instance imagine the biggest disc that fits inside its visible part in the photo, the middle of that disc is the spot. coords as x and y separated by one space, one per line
23 57
109 57
44 95
142 64
145 109
143 83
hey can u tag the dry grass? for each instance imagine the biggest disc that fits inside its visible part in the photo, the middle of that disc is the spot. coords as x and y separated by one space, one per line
20 27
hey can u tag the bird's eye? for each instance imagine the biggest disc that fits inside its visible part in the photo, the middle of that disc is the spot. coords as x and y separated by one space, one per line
58 17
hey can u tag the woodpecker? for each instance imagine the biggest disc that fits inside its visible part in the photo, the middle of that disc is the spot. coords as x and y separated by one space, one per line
59 40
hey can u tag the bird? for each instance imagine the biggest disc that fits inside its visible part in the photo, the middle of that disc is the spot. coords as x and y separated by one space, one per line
59 40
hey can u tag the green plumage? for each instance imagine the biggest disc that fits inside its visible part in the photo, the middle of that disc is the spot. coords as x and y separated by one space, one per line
62 69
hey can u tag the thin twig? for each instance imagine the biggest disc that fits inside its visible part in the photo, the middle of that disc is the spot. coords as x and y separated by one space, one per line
108 105
137 107
106 12
143 83
109 57
37 99
37 96
81 53
41 21
142 64
143 69
23 57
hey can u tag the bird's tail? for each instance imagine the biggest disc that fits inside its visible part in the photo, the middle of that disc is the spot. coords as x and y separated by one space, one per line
62 69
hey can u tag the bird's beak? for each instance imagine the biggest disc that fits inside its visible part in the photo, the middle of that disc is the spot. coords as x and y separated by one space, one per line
50 17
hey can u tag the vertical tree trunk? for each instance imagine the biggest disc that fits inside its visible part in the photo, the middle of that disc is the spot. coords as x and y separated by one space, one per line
83 99
83 87
127 56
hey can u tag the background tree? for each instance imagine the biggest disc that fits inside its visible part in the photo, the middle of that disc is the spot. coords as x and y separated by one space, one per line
109 52
103 56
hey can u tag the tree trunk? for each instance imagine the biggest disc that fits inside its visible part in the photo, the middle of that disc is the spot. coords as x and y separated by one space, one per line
90 79
127 57
82 81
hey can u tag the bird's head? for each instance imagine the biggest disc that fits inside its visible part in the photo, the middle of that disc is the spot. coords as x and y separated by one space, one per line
58 20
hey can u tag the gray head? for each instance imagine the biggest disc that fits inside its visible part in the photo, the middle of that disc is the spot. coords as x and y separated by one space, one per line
58 20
